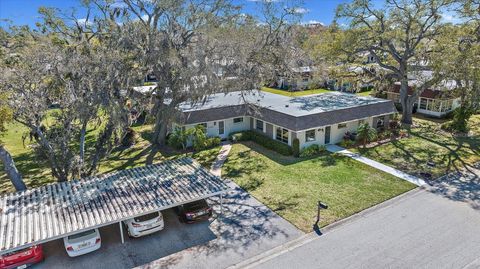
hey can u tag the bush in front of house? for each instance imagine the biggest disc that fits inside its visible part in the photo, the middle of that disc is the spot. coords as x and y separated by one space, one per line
240 136
262 140
212 142
366 134
346 143
312 150
296 147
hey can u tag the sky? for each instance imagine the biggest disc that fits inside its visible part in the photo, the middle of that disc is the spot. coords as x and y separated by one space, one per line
22 12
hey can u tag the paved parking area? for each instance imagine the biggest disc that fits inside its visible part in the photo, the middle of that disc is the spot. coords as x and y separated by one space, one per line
246 229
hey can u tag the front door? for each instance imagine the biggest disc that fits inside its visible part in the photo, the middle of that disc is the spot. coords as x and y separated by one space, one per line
327 134
221 129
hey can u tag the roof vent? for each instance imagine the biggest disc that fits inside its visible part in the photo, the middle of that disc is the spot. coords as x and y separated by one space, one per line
286 105
258 100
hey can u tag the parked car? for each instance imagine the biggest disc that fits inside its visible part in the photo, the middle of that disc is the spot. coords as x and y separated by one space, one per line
82 243
194 211
22 258
146 224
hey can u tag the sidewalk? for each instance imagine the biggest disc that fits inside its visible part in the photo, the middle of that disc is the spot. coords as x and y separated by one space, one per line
413 179
216 168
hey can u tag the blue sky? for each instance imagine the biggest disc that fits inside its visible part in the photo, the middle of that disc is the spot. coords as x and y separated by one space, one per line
25 11
22 12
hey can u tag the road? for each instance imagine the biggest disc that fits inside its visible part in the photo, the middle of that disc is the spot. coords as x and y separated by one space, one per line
435 227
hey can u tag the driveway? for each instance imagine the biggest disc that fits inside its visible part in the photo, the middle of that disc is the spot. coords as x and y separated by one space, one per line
434 227
246 229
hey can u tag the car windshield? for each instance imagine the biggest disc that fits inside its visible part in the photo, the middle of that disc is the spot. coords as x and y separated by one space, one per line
146 217
197 205
82 234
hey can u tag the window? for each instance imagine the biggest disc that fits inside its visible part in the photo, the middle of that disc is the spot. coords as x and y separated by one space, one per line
342 125
282 135
380 123
423 103
310 135
237 120
260 125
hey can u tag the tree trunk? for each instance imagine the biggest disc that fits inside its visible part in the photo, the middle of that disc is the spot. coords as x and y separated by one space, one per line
83 133
407 104
162 120
11 169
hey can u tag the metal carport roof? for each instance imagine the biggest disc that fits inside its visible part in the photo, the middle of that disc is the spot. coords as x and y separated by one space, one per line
54 211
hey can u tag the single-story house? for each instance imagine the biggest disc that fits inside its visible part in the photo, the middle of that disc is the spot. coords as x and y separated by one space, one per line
300 79
433 102
314 119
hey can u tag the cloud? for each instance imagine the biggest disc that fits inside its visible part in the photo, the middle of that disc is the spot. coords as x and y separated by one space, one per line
451 17
84 21
313 22
301 10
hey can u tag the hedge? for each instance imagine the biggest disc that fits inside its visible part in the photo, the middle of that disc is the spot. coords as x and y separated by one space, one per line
262 140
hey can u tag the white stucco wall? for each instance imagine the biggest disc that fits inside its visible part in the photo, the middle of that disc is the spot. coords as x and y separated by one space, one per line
336 135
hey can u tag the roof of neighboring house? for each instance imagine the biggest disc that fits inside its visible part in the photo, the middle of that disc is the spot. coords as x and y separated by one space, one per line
295 113
54 211
427 93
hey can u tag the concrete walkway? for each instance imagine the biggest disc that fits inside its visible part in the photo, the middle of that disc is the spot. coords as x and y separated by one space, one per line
216 168
413 179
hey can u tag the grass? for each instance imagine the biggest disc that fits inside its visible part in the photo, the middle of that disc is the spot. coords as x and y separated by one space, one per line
291 187
429 143
367 93
296 93
36 173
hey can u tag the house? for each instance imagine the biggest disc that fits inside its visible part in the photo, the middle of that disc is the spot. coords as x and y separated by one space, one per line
313 119
300 79
436 101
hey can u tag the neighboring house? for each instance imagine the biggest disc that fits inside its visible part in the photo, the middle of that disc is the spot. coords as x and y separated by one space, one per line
436 101
314 119
300 79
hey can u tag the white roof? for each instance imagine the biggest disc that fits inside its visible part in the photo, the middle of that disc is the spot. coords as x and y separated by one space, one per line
54 211
295 106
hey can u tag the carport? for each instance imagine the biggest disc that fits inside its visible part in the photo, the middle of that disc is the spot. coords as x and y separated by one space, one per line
55 211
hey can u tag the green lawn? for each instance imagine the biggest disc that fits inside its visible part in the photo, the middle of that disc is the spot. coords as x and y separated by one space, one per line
294 94
291 187
367 93
429 143
36 172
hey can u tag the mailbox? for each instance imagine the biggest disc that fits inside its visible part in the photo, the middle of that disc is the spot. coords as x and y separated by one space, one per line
322 205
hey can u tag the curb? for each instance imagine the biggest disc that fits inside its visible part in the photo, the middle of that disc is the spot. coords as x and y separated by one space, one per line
307 238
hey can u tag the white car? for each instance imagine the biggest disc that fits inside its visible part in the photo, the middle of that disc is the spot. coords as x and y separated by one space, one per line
82 243
146 224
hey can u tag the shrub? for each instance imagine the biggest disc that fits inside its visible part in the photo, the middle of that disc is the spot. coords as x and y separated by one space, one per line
459 123
262 140
346 143
178 138
149 83
130 138
296 147
240 136
366 133
312 150
212 142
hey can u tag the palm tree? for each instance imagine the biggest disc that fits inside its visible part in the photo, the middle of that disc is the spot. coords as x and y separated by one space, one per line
365 134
